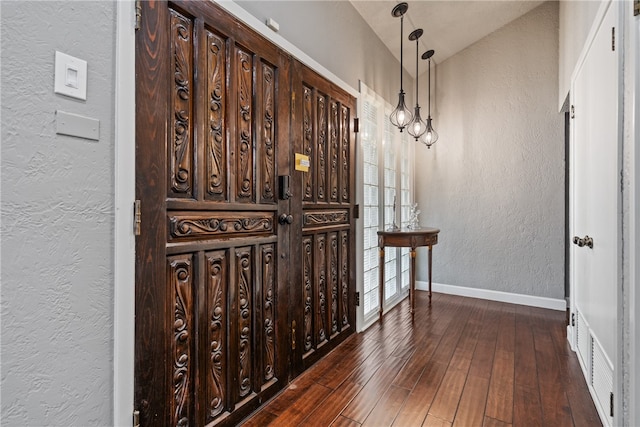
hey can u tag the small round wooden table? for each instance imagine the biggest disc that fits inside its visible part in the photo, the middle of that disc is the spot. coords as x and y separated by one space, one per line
406 238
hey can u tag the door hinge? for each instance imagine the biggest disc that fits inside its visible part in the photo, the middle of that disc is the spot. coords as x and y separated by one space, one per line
573 111
611 404
293 335
136 218
356 211
138 15
136 418
636 7
613 39
357 298
573 319
356 125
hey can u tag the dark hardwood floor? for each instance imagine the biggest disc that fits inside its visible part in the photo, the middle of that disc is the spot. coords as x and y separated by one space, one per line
463 362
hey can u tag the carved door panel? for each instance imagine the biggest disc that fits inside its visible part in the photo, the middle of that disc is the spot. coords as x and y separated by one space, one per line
212 120
322 127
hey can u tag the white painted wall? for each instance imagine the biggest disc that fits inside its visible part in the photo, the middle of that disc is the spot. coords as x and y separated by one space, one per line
576 19
57 214
494 182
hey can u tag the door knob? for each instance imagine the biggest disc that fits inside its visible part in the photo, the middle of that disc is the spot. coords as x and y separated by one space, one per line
585 241
285 219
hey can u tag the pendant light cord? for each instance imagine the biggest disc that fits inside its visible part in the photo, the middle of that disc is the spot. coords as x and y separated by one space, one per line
401 22
417 78
429 74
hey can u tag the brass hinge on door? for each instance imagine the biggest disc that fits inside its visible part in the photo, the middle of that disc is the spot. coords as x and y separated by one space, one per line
136 418
356 125
138 15
137 218
293 335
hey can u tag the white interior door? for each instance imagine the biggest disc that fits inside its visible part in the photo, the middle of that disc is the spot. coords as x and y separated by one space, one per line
594 202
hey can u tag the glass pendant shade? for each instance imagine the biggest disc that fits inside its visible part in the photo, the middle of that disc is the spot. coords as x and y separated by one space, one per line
417 127
430 136
401 116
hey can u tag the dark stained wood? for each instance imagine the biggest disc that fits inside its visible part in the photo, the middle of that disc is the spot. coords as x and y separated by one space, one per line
526 399
322 209
500 399
409 239
555 406
217 276
492 422
344 422
471 408
387 407
150 187
333 406
446 401
433 421
373 390
463 362
419 400
297 412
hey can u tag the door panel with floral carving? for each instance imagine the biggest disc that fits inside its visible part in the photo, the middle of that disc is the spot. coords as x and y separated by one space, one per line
212 119
323 130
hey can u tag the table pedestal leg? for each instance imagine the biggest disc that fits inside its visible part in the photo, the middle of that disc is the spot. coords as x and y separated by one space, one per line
412 282
381 284
430 247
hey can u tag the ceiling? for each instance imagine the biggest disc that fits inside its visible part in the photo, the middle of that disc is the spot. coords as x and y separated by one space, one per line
449 26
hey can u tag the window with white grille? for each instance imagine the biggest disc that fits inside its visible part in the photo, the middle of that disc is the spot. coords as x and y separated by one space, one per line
386 164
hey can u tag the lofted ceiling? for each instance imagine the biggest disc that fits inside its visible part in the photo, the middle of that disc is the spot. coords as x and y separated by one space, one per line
449 26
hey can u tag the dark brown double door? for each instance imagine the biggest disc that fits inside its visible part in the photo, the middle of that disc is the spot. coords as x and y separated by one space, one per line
244 265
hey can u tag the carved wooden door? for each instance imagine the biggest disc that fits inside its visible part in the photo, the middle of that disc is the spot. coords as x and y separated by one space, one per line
322 125
212 136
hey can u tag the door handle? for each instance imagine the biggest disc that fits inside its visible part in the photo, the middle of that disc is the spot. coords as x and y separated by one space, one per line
585 241
285 219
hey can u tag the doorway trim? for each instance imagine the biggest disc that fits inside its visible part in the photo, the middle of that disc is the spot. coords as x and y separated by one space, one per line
631 33
124 196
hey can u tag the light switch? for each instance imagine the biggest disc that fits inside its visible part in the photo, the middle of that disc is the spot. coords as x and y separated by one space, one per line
70 76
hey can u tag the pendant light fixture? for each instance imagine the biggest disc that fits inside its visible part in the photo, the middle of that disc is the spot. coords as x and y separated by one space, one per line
430 136
401 116
417 127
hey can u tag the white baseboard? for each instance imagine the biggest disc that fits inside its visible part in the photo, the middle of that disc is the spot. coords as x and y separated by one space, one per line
533 301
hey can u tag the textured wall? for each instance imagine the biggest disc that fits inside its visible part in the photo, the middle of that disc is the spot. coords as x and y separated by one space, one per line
334 34
57 219
494 182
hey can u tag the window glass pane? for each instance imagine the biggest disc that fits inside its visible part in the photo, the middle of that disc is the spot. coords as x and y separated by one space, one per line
387 180
369 139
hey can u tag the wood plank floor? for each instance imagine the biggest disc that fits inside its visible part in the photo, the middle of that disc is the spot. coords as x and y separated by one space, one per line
463 362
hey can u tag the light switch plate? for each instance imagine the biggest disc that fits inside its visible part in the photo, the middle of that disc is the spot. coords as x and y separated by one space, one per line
70 76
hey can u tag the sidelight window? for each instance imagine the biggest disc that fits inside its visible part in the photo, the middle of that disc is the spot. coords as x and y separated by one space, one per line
385 181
